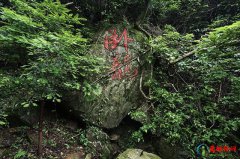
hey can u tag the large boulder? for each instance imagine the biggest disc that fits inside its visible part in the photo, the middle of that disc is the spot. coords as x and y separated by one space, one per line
118 97
137 154
116 101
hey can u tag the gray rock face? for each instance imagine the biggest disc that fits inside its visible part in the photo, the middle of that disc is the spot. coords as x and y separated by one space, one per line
119 96
137 154
117 99
108 110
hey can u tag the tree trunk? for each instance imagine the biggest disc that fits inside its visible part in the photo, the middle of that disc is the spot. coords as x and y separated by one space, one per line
40 128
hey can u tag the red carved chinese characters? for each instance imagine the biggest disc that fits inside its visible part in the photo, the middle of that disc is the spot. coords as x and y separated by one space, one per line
117 72
111 42
135 73
127 64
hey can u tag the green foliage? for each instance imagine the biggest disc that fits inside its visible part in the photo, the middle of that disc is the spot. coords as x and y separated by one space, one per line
83 139
164 7
112 11
43 54
20 154
195 101
138 115
90 92
172 44
95 141
137 136
3 120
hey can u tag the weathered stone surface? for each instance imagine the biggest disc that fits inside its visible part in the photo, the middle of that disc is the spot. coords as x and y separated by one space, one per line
114 137
137 154
108 110
116 101
99 142
118 97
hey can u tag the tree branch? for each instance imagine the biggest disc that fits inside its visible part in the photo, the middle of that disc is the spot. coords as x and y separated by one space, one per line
183 56
143 30
140 87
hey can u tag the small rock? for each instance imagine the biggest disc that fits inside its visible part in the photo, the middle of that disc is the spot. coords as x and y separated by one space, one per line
114 137
77 155
88 156
72 125
137 154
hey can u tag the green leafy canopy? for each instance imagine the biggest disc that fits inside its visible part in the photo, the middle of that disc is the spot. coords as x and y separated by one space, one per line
42 53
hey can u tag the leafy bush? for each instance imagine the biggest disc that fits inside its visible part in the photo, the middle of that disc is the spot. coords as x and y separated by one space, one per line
43 53
195 100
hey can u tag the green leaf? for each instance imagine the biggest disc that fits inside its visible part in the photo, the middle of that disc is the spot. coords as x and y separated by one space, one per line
58 100
26 105
2 123
21 153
